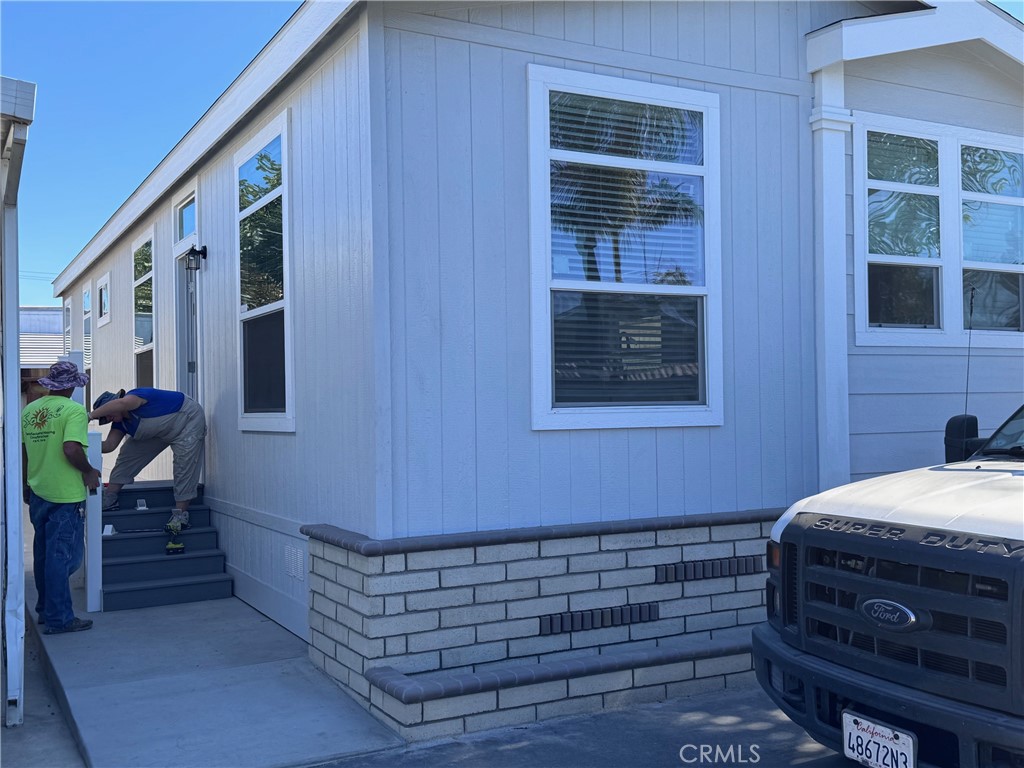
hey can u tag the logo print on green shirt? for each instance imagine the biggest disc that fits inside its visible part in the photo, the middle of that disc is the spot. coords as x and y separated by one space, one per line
37 421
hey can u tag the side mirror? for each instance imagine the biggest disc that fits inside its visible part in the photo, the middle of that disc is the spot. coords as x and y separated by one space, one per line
962 438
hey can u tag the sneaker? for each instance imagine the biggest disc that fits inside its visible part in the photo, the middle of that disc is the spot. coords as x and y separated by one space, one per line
75 625
110 501
177 522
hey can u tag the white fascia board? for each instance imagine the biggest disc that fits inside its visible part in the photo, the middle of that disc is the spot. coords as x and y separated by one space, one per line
14 154
949 22
300 34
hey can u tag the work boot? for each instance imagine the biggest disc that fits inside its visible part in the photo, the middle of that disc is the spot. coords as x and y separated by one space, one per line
75 625
178 521
110 501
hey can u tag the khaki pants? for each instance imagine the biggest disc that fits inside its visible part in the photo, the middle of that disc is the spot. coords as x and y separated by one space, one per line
184 432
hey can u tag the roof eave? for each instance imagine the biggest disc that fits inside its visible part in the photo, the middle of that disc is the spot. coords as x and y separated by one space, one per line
300 34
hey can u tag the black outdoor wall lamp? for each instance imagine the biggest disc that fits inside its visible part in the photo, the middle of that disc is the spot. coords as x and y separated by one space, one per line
194 258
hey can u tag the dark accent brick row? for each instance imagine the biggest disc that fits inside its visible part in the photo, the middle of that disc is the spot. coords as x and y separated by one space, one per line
709 569
598 618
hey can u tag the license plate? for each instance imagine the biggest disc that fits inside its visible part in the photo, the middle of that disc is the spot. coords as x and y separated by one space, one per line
877 745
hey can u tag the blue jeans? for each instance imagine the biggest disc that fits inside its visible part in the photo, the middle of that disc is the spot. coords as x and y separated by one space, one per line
57 549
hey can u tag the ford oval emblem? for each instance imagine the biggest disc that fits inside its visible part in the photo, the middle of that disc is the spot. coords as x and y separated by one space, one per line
888 615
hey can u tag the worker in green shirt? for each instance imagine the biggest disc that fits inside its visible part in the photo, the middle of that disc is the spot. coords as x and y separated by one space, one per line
56 474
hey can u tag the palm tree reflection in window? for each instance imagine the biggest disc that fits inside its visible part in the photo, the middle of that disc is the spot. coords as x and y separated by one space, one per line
632 225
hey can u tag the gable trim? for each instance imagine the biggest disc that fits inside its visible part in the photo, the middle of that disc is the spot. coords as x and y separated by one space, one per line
949 22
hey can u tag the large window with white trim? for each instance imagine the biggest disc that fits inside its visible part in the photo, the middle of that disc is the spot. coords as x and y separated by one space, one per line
940 233
142 304
261 174
625 263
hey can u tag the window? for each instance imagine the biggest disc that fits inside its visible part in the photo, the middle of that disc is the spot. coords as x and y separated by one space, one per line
992 217
625 253
103 300
67 326
185 219
87 341
142 303
265 366
941 234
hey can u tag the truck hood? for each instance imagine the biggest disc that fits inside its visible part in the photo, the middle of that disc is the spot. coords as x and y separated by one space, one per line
976 496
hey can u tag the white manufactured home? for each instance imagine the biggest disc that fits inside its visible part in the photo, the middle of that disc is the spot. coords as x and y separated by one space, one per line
516 324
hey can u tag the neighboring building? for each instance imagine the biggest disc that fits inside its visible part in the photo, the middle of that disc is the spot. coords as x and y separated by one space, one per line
41 342
534 316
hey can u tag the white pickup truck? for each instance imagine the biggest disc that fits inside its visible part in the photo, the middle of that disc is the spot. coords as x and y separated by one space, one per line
895 629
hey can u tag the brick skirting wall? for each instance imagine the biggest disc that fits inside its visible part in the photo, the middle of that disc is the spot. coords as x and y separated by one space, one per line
441 635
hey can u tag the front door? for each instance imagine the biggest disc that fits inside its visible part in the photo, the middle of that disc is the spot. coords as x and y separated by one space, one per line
188 348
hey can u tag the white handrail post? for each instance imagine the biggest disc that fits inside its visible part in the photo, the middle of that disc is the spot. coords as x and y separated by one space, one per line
94 532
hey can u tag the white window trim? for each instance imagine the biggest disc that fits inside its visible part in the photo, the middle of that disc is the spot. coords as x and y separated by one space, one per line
180 245
103 284
151 275
544 416
87 314
266 422
67 323
950 265
178 249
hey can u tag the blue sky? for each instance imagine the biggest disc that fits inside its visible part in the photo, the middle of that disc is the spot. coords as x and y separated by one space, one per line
118 84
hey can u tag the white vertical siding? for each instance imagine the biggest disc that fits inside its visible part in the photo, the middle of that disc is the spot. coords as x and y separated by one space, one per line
943 85
464 455
263 486
324 470
901 398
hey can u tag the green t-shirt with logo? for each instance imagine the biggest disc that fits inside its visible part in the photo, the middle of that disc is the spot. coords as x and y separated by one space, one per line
46 424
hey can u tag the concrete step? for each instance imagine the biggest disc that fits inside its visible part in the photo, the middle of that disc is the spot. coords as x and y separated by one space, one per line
139 568
153 519
187 589
129 543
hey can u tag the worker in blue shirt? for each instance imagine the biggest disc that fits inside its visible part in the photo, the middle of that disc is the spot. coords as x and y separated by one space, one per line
152 420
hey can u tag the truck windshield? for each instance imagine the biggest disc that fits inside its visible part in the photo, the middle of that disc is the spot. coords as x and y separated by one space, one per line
1008 440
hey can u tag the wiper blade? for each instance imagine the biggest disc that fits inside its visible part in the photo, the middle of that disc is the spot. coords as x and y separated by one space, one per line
1013 450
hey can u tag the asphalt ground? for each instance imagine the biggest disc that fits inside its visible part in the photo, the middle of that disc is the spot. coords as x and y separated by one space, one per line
734 727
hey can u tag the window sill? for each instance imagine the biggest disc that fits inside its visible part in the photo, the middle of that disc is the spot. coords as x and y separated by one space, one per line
627 417
266 423
930 337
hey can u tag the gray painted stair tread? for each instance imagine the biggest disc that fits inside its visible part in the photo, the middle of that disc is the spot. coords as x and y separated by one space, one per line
121 535
210 578
162 557
168 508
152 485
